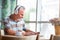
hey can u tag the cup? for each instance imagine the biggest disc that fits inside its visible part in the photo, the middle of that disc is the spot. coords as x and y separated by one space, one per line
19 33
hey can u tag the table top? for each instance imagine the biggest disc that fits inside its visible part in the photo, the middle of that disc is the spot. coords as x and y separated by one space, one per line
18 36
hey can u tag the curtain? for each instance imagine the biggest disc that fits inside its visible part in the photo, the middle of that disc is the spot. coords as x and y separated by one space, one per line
0 12
8 7
13 5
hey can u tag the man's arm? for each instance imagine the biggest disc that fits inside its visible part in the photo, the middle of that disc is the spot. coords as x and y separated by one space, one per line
27 30
9 31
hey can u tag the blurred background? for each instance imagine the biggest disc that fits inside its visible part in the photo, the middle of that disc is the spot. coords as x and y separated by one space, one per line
37 14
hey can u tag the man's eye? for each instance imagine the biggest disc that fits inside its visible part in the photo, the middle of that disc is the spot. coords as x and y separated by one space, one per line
22 14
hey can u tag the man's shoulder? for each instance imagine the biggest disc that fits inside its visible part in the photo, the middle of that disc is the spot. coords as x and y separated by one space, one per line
6 19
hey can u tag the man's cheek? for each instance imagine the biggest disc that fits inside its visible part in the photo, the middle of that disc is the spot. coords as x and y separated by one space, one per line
21 16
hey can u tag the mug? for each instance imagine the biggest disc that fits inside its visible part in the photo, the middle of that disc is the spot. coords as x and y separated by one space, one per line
19 33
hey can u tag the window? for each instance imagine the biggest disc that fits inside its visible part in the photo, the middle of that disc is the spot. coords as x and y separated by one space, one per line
30 12
47 9
38 13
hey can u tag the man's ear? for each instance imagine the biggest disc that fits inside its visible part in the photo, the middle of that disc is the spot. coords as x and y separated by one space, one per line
15 11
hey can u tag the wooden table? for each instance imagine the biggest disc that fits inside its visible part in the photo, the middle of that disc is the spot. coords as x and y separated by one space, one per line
9 37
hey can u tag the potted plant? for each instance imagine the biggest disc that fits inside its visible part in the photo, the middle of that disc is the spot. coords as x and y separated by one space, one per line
56 23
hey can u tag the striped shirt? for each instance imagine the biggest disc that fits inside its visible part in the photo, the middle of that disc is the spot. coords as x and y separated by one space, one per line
12 25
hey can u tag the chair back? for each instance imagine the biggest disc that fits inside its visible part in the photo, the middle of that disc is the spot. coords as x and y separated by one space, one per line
0 35
55 37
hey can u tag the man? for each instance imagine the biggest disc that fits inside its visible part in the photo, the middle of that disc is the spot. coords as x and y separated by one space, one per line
15 24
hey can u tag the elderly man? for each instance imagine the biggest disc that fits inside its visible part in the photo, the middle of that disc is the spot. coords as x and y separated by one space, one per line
15 25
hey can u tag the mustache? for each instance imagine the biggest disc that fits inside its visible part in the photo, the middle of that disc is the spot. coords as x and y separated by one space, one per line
21 14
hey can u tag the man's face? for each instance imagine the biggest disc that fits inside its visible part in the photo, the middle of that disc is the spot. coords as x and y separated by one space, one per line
17 20
21 12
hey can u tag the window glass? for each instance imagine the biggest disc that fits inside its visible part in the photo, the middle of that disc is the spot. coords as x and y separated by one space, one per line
48 9
46 29
30 26
30 9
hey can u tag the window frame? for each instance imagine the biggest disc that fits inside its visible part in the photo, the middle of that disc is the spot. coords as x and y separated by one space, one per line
36 22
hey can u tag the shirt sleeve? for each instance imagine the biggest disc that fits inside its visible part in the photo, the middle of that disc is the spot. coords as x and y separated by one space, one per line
6 20
6 23
24 27
7 26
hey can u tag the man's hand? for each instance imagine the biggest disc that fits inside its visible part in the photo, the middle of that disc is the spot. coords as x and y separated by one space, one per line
11 32
37 32
27 30
30 33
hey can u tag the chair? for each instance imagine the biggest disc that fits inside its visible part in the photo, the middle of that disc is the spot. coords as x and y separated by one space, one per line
55 37
9 37
0 35
51 37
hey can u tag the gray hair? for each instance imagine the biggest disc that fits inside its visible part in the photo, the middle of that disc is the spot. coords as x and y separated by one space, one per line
17 8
